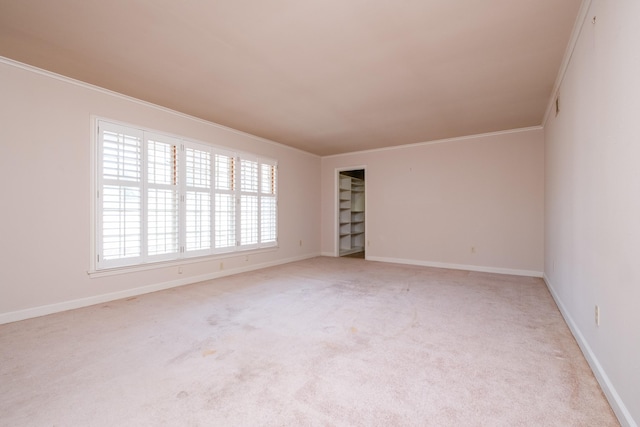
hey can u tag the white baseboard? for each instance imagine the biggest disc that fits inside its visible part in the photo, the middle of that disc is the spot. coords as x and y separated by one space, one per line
14 316
618 406
479 268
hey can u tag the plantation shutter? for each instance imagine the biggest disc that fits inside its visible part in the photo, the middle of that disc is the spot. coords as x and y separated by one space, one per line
162 197
197 201
119 195
249 207
268 204
225 202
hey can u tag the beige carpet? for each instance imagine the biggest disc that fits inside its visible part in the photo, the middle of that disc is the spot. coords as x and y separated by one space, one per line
327 341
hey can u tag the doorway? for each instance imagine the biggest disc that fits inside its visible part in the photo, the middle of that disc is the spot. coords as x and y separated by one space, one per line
351 213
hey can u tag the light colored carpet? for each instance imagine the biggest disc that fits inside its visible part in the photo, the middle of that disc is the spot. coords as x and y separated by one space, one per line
326 341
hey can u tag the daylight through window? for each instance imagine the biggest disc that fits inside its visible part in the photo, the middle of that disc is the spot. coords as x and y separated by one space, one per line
162 198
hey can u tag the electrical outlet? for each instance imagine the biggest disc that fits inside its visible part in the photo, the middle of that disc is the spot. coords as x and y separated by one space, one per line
597 314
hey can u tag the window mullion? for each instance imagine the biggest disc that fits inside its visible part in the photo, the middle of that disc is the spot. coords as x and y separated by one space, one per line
144 223
182 191
259 207
237 196
212 197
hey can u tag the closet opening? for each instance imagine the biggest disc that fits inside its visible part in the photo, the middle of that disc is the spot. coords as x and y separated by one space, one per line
351 213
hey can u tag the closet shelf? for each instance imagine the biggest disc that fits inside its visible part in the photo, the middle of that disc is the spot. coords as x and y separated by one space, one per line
351 210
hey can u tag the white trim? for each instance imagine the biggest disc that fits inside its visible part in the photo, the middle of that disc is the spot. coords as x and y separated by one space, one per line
177 262
65 79
336 209
566 59
438 141
90 86
93 205
14 316
618 406
478 268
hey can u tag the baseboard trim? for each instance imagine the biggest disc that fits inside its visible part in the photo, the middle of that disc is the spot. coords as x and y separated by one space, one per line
618 406
483 269
14 316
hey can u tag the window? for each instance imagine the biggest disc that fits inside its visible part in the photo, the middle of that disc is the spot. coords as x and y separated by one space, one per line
224 202
163 239
164 198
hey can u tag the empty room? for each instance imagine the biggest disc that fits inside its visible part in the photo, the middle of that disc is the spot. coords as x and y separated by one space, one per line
344 213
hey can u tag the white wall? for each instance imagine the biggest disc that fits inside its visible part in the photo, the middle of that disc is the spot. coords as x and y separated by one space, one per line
592 198
429 204
45 132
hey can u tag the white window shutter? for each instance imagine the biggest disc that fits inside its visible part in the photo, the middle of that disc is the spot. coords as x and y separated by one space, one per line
268 204
225 201
197 201
162 197
249 207
120 205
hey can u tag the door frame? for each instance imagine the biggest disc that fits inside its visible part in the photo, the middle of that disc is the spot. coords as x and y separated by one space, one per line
336 208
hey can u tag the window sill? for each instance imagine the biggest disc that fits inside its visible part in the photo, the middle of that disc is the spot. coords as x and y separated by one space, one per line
176 262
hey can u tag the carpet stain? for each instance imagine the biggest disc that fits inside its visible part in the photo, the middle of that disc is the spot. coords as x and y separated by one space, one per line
208 352
224 355
331 345
182 395
354 330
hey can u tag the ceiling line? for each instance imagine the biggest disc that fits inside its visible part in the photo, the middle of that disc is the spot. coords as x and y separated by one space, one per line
80 83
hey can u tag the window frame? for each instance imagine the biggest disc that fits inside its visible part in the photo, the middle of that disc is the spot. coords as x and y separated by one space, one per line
144 261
